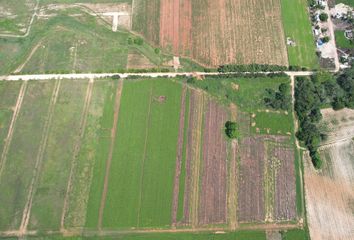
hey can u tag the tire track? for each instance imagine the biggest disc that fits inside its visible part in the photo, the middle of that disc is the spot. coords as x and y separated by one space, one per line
36 171
179 157
12 126
110 154
76 150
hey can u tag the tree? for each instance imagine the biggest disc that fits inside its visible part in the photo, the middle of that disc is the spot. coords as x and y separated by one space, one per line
323 17
231 129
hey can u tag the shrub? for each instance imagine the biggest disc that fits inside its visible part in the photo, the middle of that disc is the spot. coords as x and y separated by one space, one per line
323 17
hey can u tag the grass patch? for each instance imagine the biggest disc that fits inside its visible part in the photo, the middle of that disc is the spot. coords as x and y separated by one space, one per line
68 44
297 26
295 234
246 93
342 41
272 123
346 2
49 197
18 170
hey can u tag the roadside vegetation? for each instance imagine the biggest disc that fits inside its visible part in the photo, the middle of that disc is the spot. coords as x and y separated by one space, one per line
316 92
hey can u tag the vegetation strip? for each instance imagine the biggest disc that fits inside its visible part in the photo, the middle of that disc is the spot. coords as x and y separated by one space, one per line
232 188
44 138
179 157
196 158
109 159
11 128
77 149
148 119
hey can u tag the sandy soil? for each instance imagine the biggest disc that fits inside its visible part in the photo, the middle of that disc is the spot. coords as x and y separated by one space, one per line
330 193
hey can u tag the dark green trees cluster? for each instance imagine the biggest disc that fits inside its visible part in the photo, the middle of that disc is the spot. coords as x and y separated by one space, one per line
279 99
251 68
231 129
307 107
311 94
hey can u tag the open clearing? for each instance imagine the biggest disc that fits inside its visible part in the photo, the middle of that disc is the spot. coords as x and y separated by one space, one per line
206 30
297 27
140 155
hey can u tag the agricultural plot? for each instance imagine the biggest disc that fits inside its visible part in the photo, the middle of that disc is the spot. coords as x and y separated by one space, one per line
206 30
141 155
297 27
18 160
267 178
329 193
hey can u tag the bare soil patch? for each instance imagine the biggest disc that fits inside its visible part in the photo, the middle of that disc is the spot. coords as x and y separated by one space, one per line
213 197
138 61
330 193
250 180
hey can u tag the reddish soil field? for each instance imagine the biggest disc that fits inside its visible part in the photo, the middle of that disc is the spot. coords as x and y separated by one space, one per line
215 32
213 197
250 181
285 189
191 148
179 158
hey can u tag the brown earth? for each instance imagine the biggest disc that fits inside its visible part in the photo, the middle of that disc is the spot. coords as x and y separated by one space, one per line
213 197
137 60
250 180
285 184
330 193
190 201
215 32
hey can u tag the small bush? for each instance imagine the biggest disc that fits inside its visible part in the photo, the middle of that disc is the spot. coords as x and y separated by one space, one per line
323 17
231 129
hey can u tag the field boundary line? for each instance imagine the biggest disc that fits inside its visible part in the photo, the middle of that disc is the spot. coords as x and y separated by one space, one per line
19 68
27 210
110 154
179 156
197 161
232 183
148 120
8 140
77 150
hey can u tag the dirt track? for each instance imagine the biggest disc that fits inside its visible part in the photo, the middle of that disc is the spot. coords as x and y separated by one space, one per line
213 197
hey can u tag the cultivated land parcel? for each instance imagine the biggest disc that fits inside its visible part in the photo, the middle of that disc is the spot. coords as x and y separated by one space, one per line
144 155
69 37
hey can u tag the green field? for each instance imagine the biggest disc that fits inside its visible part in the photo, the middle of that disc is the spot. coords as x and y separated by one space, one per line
342 41
297 26
144 124
50 192
21 157
61 143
